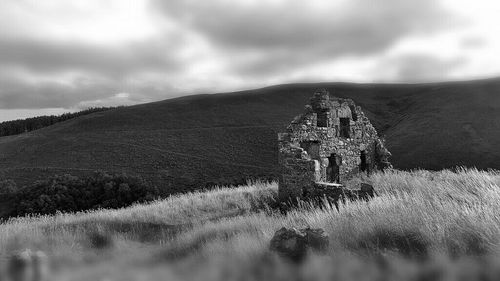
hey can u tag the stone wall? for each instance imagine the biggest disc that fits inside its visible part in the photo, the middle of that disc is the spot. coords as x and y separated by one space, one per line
330 142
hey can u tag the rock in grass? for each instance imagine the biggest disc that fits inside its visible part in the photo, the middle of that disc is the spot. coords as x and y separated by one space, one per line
366 191
289 243
293 244
317 239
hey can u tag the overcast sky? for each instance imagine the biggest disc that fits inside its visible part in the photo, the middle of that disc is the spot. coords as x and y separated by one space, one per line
65 55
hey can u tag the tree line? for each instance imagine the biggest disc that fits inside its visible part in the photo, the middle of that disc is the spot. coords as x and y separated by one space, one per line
67 193
15 127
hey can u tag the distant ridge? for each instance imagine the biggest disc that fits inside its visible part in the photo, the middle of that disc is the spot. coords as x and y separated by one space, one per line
19 126
197 141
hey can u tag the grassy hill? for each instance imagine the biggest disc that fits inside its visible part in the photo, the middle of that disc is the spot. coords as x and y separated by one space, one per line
423 226
197 141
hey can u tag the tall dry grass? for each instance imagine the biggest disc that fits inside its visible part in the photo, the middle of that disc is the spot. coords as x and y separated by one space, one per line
417 214
69 236
429 212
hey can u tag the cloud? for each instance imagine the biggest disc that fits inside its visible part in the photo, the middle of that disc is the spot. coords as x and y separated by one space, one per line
54 56
51 72
473 42
420 67
267 38
80 93
355 26
74 54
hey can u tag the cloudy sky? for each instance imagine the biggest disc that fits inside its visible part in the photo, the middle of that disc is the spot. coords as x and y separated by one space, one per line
65 55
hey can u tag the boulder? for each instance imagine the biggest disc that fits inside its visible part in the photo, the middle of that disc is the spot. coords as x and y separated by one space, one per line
366 191
289 243
316 239
294 244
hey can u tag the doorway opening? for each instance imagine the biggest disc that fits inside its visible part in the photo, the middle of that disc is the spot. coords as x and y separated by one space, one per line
363 166
333 169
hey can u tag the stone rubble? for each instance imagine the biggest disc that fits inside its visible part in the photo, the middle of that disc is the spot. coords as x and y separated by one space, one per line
293 244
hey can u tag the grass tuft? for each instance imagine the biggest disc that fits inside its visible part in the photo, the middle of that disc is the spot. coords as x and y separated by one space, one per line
100 241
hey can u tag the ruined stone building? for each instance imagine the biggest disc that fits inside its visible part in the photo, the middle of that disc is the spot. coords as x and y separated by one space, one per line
327 144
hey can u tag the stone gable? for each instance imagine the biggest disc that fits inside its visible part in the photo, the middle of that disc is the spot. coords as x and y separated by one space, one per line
330 142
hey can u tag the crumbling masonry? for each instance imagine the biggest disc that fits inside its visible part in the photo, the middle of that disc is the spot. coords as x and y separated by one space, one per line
327 144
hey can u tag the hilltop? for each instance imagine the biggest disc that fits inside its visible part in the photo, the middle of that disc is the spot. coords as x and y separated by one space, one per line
198 141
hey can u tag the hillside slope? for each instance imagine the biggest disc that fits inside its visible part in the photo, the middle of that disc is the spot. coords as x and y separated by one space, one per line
197 141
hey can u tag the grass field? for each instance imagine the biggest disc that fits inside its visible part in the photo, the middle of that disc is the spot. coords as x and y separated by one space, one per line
198 141
449 218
